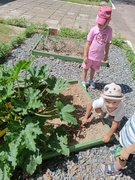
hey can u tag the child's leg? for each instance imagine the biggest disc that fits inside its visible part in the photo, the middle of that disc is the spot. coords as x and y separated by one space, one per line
84 74
95 65
92 72
91 82
119 164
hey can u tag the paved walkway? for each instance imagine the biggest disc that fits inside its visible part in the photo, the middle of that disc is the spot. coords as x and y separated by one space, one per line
58 14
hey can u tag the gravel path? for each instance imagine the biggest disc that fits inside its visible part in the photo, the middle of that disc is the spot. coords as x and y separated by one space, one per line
83 165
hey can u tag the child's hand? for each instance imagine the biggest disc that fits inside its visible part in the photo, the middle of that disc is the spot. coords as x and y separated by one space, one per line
84 121
106 138
85 60
123 154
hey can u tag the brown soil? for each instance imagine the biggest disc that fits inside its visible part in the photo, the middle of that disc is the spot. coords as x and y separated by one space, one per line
94 129
62 46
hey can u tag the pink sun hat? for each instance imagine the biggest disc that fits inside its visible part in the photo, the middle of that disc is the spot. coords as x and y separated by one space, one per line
104 13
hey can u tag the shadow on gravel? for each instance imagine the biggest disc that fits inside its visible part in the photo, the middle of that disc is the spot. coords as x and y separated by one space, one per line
130 171
122 123
128 2
125 88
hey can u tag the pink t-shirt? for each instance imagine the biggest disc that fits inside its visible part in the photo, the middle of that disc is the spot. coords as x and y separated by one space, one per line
98 39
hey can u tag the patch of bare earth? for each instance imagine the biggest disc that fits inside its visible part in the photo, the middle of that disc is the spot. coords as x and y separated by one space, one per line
62 46
94 129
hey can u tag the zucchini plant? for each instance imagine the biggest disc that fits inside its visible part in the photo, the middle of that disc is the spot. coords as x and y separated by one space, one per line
29 96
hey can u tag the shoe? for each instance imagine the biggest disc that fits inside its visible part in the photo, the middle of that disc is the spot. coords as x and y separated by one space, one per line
110 170
92 84
84 84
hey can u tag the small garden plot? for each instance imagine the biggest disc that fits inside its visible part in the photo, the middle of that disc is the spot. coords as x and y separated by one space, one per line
63 46
68 49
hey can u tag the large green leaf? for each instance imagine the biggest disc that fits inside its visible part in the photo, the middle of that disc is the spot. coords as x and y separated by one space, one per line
20 106
58 141
5 171
69 118
33 162
38 73
32 98
30 133
56 86
65 112
17 68
13 146
6 91
22 65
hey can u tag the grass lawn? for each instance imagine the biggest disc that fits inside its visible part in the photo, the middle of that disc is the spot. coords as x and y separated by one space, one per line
90 2
7 32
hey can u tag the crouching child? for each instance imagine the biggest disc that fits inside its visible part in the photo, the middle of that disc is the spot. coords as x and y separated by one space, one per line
111 103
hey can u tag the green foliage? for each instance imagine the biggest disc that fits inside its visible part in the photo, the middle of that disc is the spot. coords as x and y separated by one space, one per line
30 28
72 33
129 53
58 141
89 2
29 97
118 41
17 22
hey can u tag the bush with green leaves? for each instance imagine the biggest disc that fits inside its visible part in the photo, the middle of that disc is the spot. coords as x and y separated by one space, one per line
29 96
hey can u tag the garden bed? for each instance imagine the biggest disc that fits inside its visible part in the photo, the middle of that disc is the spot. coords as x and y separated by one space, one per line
80 137
68 49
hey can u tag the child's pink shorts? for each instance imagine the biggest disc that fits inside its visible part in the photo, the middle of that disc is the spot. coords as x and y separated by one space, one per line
94 64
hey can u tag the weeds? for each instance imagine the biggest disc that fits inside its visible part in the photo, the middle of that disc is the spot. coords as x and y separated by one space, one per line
90 2
30 28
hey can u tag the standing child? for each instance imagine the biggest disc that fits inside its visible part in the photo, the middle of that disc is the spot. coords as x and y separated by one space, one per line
110 103
97 45
127 146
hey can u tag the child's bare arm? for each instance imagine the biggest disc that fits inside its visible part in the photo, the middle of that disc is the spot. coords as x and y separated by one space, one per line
131 149
112 130
107 50
125 152
86 49
88 111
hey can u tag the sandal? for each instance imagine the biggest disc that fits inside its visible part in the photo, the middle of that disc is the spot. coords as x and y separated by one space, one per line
109 170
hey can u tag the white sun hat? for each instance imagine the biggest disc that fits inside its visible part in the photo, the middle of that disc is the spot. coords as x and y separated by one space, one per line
112 91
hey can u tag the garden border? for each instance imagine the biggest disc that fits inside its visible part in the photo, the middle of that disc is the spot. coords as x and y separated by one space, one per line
62 57
80 146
